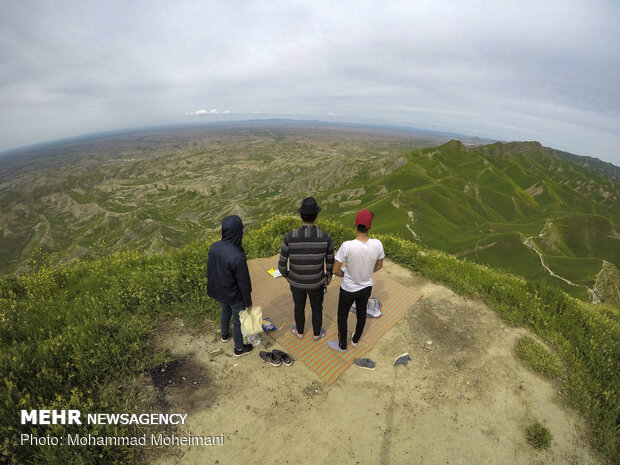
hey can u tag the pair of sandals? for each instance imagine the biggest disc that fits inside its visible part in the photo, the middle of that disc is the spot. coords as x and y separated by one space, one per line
300 336
276 358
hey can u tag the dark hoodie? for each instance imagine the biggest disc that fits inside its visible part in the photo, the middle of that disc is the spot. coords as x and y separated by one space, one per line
228 278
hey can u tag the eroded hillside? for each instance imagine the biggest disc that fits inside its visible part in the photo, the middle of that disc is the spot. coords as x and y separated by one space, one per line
158 190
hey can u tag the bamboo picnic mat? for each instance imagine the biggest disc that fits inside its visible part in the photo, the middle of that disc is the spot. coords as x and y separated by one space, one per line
274 296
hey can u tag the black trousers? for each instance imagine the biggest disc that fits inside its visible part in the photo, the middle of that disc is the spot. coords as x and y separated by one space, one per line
316 304
345 300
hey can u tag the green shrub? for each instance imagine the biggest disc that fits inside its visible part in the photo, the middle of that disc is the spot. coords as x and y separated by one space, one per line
538 436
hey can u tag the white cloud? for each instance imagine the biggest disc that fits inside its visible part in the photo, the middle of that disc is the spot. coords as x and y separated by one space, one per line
212 111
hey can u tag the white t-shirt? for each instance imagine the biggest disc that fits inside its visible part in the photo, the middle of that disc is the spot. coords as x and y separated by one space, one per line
360 258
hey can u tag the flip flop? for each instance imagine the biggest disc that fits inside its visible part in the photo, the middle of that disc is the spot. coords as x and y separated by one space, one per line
284 357
322 333
270 357
294 331
364 363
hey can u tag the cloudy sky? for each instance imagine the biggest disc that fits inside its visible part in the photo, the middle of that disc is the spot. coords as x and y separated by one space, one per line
542 70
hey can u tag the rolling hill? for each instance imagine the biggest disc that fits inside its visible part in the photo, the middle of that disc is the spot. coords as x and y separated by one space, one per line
530 210
527 209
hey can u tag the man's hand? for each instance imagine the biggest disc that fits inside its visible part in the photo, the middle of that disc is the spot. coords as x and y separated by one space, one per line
337 269
328 279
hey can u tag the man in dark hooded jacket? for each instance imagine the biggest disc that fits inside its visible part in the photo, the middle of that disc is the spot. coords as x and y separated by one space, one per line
228 280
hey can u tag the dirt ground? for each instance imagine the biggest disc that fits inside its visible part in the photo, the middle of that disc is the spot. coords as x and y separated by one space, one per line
463 399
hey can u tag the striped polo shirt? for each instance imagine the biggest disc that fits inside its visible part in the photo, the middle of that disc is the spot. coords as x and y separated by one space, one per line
309 253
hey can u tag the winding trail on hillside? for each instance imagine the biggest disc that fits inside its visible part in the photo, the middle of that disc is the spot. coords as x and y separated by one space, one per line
410 215
529 242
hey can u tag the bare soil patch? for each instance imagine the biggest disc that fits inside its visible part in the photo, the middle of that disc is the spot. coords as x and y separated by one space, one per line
463 399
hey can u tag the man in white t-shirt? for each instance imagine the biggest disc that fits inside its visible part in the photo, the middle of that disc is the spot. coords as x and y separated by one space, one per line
361 258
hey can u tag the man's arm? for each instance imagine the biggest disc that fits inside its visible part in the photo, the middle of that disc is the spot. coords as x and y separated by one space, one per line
379 263
338 268
329 260
283 261
242 276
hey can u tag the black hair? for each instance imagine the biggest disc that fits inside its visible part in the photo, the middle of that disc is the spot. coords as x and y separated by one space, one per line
309 218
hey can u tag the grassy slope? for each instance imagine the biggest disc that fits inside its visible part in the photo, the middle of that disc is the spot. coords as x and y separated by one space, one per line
464 199
70 336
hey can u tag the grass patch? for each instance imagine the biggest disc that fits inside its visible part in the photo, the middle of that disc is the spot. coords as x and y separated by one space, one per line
538 358
68 333
538 436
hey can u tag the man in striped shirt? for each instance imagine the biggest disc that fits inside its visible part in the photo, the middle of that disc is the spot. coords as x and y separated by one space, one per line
306 261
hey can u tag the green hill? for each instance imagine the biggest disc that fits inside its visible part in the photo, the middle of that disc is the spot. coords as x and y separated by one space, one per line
530 210
516 206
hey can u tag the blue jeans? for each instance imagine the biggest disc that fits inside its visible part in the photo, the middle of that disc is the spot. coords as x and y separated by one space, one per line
233 310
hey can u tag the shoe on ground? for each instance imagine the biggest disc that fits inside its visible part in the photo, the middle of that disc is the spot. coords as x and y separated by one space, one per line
284 357
247 348
271 358
364 363
225 338
353 343
402 359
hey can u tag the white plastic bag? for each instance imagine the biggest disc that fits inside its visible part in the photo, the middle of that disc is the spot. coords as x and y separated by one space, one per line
373 310
251 321
254 339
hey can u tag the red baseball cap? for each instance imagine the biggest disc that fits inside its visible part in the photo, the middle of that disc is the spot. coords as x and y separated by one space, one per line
364 217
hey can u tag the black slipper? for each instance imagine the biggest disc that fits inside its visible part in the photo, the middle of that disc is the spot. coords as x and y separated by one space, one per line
286 358
271 358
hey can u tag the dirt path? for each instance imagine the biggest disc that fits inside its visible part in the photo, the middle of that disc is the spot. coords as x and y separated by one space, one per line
410 215
529 242
464 399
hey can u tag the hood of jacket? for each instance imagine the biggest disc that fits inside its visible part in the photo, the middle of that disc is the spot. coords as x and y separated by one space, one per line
232 230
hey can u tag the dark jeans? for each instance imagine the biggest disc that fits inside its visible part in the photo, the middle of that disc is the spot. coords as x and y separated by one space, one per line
233 310
316 304
345 300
